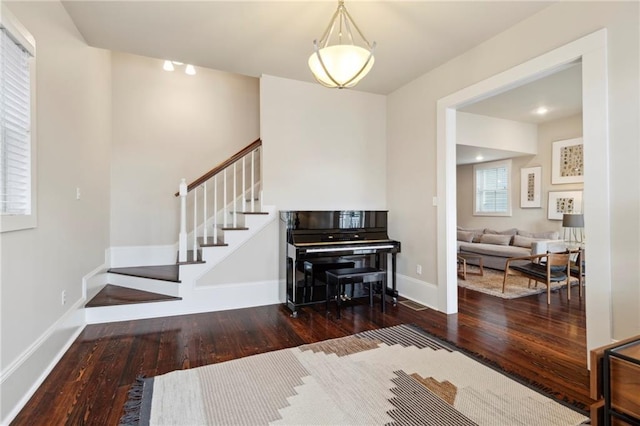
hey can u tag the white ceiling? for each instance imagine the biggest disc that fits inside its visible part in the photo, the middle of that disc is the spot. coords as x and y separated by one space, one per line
275 37
560 93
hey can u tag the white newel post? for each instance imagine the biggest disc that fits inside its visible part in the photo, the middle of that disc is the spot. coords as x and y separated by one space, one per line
182 238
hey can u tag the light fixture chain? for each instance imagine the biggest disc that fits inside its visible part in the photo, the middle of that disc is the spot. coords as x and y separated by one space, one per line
358 29
326 36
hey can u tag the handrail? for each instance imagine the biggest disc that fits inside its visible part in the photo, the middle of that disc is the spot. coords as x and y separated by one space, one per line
220 167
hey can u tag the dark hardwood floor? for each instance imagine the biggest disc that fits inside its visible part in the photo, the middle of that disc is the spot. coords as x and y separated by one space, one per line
543 344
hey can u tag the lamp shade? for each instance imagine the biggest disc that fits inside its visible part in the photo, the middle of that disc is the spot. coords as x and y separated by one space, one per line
573 220
344 65
339 60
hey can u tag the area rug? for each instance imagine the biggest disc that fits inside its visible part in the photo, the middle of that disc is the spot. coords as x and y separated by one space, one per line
517 285
395 375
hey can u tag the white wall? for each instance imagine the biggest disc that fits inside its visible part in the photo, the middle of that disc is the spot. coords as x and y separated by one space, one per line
323 149
166 126
73 125
530 219
496 133
412 134
256 261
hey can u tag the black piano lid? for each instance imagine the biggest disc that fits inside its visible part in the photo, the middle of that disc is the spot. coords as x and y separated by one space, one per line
337 220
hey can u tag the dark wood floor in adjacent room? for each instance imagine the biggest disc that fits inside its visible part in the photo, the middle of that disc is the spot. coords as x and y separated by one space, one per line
543 344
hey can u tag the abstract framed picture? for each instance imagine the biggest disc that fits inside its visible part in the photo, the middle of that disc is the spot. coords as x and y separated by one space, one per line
561 202
567 161
530 187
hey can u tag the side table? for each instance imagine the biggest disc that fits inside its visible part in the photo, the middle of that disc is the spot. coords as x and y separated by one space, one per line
621 383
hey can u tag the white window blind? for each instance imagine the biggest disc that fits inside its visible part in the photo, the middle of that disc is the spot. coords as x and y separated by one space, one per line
15 127
492 189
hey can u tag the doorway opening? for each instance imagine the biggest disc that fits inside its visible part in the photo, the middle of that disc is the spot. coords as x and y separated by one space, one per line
591 51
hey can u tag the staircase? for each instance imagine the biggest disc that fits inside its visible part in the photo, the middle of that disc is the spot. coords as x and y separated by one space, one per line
220 212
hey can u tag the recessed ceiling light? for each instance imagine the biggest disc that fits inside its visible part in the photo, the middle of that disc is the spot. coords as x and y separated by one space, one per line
542 110
479 158
168 66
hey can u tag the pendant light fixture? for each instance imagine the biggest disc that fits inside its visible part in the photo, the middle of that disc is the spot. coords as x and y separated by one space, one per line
343 63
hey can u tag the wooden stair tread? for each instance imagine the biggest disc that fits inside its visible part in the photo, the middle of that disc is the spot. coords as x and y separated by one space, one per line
247 213
237 228
113 295
156 272
210 242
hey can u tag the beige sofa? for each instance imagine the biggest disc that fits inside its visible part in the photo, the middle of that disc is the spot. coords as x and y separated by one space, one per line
496 247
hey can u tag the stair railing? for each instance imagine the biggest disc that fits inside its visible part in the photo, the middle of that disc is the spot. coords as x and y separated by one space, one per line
208 186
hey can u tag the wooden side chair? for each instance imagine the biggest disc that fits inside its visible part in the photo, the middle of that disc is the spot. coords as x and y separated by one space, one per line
546 268
577 268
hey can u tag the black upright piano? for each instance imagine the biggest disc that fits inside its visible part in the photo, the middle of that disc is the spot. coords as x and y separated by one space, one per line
314 241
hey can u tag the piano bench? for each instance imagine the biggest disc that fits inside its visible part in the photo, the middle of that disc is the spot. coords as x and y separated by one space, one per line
316 268
339 277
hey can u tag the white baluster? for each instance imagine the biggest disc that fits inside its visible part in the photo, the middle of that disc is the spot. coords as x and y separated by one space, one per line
195 222
235 208
215 209
244 190
204 214
253 181
224 201
182 238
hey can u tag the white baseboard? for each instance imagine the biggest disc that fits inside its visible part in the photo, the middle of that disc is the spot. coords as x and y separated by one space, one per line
125 256
20 379
93 282
418 291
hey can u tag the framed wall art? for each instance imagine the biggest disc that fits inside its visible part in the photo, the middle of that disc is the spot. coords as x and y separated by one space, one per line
561 202
531 187
567 161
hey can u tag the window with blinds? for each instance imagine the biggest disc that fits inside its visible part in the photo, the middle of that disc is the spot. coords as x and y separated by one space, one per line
16 139
492 183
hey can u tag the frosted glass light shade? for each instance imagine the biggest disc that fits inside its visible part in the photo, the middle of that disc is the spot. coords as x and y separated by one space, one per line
346 63
190 70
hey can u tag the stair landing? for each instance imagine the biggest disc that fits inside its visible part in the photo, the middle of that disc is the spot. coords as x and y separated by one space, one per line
156 272
113 295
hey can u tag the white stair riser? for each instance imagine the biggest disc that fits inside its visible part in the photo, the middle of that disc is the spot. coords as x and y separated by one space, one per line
210 299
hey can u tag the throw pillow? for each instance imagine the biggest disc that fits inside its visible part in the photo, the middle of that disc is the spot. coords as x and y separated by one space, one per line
465 236
512 231
477 233
520 241
501 240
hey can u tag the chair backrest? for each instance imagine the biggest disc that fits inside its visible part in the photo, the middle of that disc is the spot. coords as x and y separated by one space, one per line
558 261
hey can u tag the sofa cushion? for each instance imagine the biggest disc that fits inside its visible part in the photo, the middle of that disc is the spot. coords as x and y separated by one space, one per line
465 236
502 240
477 232
494 250
520 241
549 235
